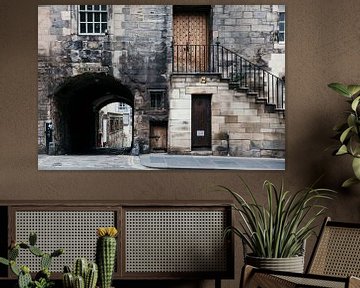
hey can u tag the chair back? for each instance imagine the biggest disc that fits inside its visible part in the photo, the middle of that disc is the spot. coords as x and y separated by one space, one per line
337 251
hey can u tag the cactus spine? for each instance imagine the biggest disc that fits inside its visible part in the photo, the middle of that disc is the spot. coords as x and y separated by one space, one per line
13 253
106 254
91 275
79 282
85 275
24 277
32 239
68 280
80 267
45 261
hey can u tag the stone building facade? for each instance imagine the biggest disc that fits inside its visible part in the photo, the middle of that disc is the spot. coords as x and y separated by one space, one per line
93 55
115 127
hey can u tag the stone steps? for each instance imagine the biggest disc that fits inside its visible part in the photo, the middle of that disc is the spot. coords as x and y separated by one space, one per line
252 130
269 107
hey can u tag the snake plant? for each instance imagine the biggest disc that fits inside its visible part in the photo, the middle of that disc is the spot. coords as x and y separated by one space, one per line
279 228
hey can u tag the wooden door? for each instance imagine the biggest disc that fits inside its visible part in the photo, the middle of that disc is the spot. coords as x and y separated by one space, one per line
158 137
190 30
201 121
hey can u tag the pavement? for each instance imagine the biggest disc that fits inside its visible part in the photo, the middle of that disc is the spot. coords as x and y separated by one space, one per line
166 161
156 161
89 162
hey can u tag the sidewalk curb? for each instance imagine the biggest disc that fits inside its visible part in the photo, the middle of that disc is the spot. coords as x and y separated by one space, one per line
166 161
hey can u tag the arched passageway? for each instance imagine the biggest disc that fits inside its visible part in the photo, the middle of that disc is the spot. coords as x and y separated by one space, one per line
114 128
77 105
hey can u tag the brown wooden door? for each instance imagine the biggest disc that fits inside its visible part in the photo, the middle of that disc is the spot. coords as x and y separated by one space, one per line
190 30
158 137
201 121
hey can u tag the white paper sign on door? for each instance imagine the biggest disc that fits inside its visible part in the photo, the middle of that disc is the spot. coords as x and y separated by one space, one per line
200 133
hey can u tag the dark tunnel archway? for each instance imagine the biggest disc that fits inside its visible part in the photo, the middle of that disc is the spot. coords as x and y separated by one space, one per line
77 104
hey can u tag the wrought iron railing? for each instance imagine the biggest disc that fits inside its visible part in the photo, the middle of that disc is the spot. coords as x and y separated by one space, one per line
244 74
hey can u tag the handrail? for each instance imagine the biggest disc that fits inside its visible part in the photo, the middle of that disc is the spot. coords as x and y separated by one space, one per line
241 72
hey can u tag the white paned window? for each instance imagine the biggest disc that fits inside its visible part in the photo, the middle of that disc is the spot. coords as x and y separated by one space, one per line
281 27
92 19
123 106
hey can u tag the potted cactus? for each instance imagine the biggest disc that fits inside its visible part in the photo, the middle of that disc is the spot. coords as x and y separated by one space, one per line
106 254
42 278
84 275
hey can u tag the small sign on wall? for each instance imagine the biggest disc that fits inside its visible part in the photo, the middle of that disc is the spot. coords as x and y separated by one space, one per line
200 133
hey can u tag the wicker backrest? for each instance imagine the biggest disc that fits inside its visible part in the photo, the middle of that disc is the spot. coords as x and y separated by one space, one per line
337 252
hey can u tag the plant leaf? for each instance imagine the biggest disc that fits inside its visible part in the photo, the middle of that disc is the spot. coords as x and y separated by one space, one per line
355 103
14 268
356 167
345 134
279 228
4 261
349 182
354 146
342 150
340 88
353 89
351 120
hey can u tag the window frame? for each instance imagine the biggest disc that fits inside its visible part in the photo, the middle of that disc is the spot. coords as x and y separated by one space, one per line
280 31
93 21
159 104
123 106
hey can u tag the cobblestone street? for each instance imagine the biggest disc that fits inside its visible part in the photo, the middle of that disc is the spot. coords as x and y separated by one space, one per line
90 162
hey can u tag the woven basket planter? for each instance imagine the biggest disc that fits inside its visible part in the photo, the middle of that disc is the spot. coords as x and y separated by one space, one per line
291 264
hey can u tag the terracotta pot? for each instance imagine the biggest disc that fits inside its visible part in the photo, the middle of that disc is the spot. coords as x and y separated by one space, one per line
291 264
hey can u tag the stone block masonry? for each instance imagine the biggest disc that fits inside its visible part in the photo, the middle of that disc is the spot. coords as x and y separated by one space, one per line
252 133
247 29
136 52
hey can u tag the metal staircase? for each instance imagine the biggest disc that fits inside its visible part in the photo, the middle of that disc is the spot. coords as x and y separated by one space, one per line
243 75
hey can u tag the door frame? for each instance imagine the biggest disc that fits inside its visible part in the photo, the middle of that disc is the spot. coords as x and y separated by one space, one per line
158 124
207 147
183 58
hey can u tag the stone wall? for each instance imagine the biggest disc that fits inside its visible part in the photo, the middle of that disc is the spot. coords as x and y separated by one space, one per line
142 39
249 30
47 71
252 131
135 51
